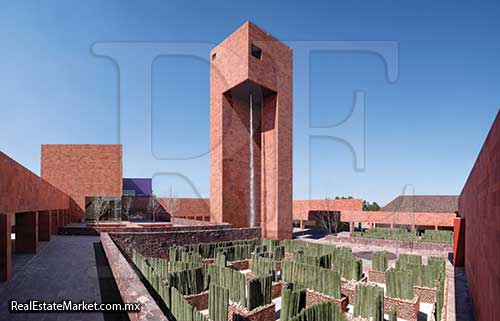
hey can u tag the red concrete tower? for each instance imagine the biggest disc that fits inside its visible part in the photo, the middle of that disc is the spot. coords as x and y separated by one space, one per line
251 68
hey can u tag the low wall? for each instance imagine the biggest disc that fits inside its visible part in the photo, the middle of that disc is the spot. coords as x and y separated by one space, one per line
199 301
376 276
157 244
264 313
405 309
393 244
313 297
107 228
130 286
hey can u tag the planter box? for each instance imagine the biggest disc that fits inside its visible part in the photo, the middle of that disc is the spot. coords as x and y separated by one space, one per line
199 301
264 313
376 277
313 297
240 265
405 309
276 289
427 295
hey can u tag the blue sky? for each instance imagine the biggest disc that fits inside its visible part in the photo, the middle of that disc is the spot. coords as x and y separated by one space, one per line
424 130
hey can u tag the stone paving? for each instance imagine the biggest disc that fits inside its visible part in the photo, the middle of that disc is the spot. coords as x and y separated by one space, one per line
66 268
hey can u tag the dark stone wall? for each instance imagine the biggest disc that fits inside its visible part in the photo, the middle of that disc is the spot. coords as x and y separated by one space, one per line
157 244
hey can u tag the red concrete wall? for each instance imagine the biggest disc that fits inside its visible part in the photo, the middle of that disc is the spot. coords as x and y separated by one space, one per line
301 208
479 205
83 170
23 191
403 218
191 207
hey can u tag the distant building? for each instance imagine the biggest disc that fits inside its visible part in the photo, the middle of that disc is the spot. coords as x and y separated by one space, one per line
423 204
137 187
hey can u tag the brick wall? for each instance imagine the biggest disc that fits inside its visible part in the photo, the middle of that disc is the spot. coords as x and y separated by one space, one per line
83 170
23 191
479 205
191 208
301 208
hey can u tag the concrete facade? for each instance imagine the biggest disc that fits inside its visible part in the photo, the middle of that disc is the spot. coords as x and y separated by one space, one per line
479 207
235 73
83 170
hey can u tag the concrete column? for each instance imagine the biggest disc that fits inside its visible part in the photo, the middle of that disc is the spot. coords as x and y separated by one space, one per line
53 221
435 227
351 227
44 226
459 241
5 247
392 225
27 232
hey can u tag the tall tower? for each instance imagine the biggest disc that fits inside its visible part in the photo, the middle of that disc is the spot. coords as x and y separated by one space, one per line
251 78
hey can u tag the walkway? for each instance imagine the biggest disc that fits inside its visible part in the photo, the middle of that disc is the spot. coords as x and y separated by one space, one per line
66 268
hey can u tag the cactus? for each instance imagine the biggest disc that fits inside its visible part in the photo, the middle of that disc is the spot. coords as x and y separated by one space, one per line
188 281
259 292
369 302
218 301
182 310
315 278
292 302
393 315
263 266
380 261
405 259
270 243
326 311
440 296
437 236
221 259
231 279
399 284
349 268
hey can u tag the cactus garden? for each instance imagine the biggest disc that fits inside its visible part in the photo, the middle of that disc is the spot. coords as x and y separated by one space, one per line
263 279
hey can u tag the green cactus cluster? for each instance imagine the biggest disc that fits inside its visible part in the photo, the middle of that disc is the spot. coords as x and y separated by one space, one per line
321 261
210 250
221 259
188 281
393 316
259 292
264 266
349 268
440 296
218 301
182 310
369 302
292 301
405 259
398 234
380 261
270 244
312 277
437 236
326 311
313 249
230 279
399 284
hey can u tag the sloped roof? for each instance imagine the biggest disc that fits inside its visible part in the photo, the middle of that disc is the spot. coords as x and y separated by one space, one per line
423 203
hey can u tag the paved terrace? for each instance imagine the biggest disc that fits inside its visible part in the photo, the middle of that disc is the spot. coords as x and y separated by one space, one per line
67 267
